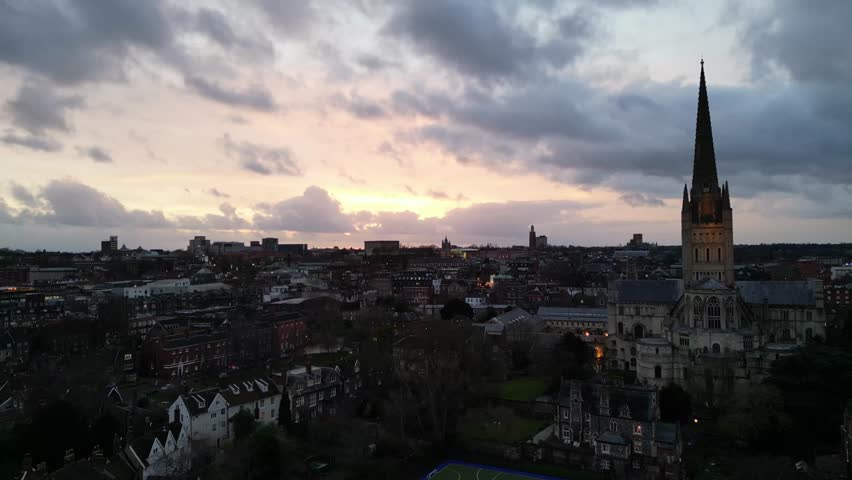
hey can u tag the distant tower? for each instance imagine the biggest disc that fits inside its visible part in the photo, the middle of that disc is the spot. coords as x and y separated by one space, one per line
446 246
707 228
532 237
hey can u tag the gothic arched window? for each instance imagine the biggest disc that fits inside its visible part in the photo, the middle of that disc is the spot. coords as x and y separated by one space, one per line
708 255
696 255
714 313
658 372
719 254
697 310
620 328
717 348
729 313
638 331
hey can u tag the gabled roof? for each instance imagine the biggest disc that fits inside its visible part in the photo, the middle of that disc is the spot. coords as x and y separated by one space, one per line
513 316
647 291
195 400
794 293
710 284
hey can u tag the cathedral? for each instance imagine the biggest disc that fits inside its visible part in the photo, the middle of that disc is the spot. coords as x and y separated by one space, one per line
706 325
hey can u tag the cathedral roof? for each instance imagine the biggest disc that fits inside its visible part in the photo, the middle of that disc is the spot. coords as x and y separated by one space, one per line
794 293
704 161
647 291
710 284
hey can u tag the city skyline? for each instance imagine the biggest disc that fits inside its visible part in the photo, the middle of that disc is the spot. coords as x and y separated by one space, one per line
470 120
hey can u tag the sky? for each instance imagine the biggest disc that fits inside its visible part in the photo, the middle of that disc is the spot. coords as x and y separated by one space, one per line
334 122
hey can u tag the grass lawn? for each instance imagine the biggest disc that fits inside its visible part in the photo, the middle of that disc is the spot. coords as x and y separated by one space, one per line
504 429
523 389
533 468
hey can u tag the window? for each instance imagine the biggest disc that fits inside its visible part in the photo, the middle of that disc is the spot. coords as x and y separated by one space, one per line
785 334
809 333
604 449
719 254
565 413
697 310
638 331
621 309
684 341
332 393
566 434
658 372
621 327
708 255
636 311
632 362
222 412
213 415
748 343
729 313
637 445
613 426
785 315
713 313
695 256
717 348
637 429
261 401
809 316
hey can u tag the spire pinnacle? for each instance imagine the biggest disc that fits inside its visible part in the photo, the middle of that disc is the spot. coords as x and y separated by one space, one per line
704 162
685 198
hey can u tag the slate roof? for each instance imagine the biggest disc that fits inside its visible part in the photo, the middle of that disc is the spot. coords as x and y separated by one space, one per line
572 313
192 403
513 316
796 293
245 396
647 291
638 399
710 284
612 438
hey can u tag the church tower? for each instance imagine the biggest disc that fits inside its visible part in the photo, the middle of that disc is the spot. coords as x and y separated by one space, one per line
707 230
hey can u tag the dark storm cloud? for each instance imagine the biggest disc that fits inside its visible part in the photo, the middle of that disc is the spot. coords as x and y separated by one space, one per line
636 199
37 107
256 97
73 203
810 43
34 142
23 195
581 135
260 158
359 106
289 18
475 39
217 193
228 219
96 153
313 211
75 41
216 26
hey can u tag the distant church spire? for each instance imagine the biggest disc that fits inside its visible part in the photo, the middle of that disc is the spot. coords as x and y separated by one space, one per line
685 199
704 163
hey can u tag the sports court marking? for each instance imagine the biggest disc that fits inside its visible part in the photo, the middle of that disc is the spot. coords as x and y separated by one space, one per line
459 470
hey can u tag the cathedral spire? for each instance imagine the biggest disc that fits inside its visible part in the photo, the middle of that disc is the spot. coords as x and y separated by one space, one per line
704 163
685 199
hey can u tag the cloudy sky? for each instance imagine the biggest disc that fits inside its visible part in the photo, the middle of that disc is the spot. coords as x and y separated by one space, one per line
333 122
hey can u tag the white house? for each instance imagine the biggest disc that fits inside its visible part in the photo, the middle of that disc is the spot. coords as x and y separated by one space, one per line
207 413
164 454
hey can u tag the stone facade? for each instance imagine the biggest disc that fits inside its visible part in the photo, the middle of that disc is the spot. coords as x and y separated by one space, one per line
707 323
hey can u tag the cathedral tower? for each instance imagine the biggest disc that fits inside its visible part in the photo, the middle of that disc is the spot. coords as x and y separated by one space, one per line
707 230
